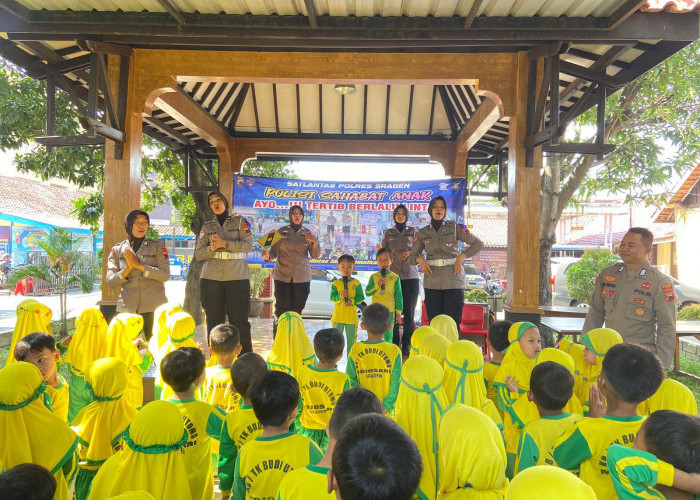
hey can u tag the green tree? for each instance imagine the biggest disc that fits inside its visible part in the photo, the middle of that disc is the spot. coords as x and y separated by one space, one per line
581 276
65 267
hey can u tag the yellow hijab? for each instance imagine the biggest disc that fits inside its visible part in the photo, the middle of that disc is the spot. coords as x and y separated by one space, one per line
160 317
671 395
463 380
598 341
292 349
103 421
88 340
32 317
417 338
180 328
435 346
30 432
134 495
472 456
122 331
515 362
446 326
544 482
419 405
152 458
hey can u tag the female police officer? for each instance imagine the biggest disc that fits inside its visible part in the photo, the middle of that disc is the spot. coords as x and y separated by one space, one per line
225 279
444 277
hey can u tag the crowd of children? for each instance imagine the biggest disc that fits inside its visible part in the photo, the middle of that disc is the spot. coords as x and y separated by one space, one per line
582 421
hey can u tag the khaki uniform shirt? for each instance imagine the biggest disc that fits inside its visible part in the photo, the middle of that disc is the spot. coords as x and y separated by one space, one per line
398 242
292 253
141 291
444 244
640 305
239 239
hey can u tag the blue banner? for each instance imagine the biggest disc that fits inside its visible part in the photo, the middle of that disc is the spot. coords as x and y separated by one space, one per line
348 217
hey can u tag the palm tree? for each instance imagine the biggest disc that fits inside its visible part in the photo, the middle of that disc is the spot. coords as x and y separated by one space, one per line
64 267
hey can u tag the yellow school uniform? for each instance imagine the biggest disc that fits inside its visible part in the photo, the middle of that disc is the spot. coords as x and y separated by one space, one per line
134 495
671 395
239 427
538 437
310 482
263 462
151 460
30 432
472 456
435 346
585 444
292 349
515 364
180 328
392 297
217 389
32 317
636 473
160 318
543 482
463 381
489 372
376 366
342 312
446 326
60 397
319 390
202 423
417 338
121 332
419 406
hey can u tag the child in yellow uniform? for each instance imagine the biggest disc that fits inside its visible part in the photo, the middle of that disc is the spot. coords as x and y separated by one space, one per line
160 318
181 330
100 424
664 461
671 395
85 346
498 344
151 460
446 327
630 374
419 406
551 387
291 349
240 426
472 455
346 294
263 462
40 350
543 482
435 347
123 342
27 482
417 338
32 317
374 363
384 287
183 371
588 358
225 345
463 381
320 386
311 482
30 432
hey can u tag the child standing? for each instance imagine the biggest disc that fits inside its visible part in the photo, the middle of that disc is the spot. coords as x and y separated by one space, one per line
384 287
346 294
183 371
40 350
498 344
292 348
263 462
551 387
630 374
320 386
374 363
225 345
240 426
311 482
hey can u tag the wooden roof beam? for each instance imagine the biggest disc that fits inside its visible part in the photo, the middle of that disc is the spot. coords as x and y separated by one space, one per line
486 115
173 11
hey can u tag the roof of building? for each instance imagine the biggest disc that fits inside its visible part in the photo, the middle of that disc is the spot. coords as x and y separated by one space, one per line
668 214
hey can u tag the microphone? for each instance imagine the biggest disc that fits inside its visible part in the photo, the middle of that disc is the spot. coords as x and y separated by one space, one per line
383 272
345 287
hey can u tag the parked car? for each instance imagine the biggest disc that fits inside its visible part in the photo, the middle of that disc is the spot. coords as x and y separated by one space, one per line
473 278
319 303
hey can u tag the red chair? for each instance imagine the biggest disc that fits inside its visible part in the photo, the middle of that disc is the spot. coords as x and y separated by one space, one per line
424 314
473 324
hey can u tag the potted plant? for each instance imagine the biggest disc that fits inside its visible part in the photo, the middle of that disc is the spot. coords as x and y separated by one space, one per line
477 296
258 277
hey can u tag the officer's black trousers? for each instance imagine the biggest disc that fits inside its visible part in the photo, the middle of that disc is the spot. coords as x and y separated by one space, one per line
448 302
227 298
290 296
409 290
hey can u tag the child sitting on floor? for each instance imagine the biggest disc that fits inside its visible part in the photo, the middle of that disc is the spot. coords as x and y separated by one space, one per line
225 345
292 349
497 342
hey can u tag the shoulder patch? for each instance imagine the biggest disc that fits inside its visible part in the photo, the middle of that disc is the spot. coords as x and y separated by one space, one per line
164 251
668 292
245 227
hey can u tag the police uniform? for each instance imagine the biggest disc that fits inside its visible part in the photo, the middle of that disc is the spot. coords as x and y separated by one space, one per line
640 305
397 242
443 288
292 270
225 278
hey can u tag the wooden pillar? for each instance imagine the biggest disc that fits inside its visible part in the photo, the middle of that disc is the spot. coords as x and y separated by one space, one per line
227 168
522 302
122 180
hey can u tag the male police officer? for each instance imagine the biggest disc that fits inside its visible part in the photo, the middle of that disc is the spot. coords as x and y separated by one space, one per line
636 299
